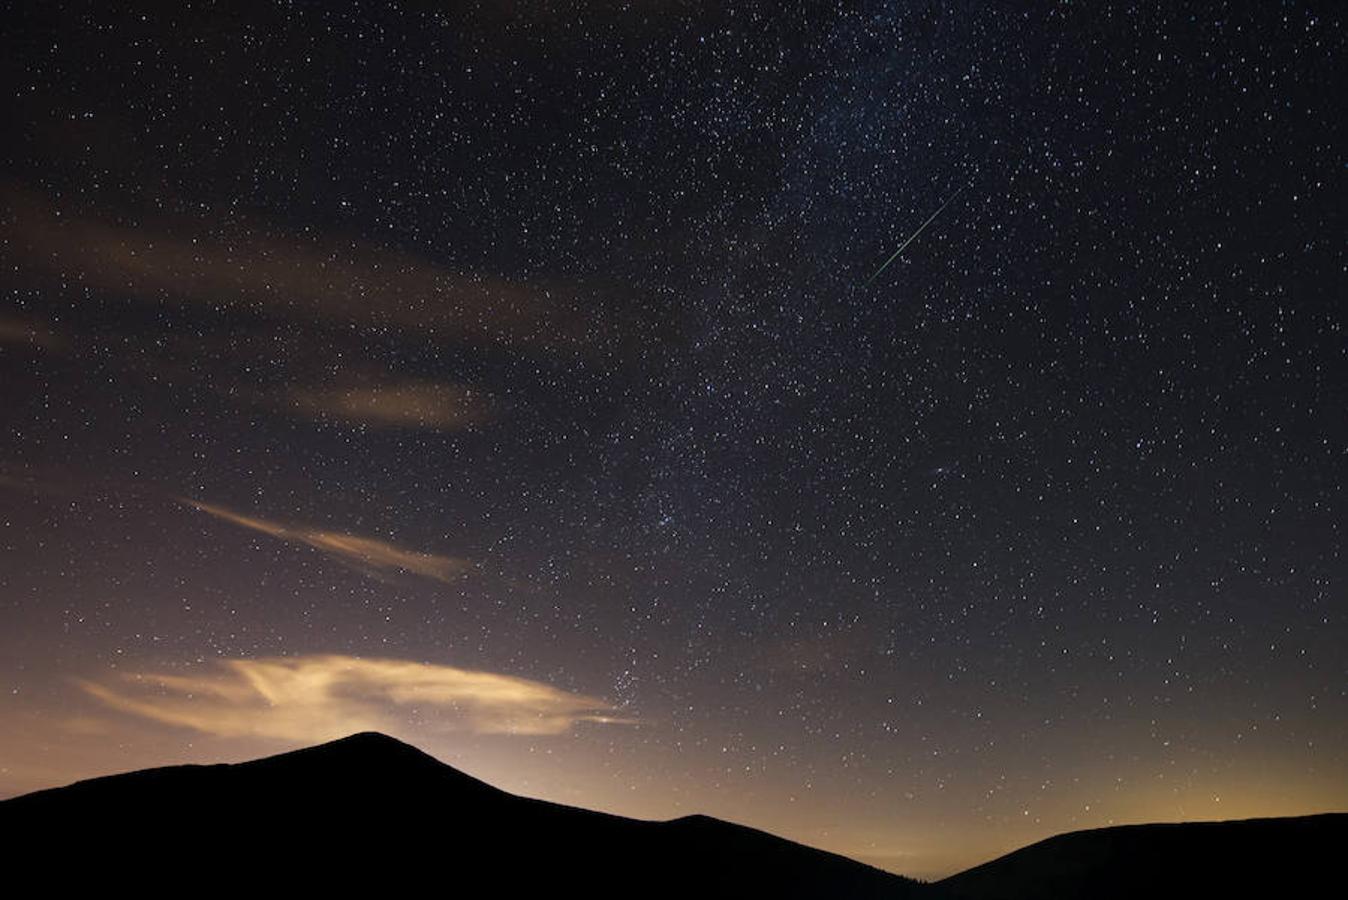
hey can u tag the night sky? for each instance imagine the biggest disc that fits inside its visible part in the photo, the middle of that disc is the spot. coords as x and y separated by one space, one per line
513 379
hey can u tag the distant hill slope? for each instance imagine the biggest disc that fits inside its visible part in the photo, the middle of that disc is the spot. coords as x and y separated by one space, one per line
371 814
1288 857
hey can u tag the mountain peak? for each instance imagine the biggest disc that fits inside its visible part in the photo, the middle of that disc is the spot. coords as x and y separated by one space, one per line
370 747
370 740
364 755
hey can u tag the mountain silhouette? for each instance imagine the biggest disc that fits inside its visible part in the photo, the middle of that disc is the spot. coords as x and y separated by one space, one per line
370 813
1255 858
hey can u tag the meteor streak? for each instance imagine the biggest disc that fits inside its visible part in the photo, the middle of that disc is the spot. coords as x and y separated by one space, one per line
912 237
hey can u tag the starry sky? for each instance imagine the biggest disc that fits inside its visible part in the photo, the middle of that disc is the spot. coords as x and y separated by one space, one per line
517 379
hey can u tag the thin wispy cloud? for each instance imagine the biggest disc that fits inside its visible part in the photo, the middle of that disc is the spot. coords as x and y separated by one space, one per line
313 698
258 269
29 332
369 555
402 403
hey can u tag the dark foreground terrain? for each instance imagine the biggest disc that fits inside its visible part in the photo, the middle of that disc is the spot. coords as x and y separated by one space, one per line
1256 858
371 814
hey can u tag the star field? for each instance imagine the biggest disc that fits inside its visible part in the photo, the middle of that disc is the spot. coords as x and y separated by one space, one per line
536 341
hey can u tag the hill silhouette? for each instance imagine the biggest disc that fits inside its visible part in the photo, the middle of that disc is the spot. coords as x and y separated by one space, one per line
369 812
1284 857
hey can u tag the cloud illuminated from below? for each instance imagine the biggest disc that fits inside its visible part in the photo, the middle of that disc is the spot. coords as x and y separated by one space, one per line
369 555
315 698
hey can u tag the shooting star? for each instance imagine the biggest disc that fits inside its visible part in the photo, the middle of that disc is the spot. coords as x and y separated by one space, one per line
912 237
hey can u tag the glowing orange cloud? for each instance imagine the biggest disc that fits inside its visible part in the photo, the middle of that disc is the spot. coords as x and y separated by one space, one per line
313 698
369 555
